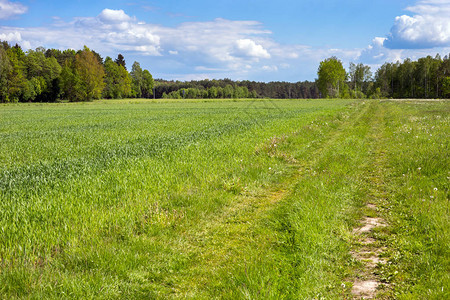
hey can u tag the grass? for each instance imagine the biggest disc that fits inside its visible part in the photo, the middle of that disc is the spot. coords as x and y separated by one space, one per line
418 205
235 199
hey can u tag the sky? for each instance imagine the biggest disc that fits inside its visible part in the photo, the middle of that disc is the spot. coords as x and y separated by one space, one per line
260 40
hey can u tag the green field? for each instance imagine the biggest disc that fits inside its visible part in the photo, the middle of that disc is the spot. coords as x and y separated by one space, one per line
233 199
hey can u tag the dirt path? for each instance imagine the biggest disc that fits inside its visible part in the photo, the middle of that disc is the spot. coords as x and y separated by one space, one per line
366 248
369 253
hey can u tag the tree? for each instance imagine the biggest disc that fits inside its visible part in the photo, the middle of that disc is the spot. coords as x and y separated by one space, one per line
70 82
117 80
142 82
44 73
406 74
212 92
444 77
112 79
16 77
359 74
446 87
147 84
228 91
5 69
125 82
332 77
91 74
384 79
137 80
120 60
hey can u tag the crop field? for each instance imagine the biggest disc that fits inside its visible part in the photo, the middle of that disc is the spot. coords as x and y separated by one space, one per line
228 199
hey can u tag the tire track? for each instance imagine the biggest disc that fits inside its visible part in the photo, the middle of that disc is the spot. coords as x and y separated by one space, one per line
367 249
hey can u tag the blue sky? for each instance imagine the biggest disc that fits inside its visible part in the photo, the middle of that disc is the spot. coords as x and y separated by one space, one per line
260 40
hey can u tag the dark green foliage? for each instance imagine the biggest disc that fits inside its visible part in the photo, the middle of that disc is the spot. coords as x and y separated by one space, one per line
360 77
215 89
43 77
50 75
147 84
120 60
70 82
424 78
141 82
5 69
117 80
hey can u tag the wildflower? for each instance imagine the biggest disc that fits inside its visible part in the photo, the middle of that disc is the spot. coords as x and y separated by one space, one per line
435 189
419 168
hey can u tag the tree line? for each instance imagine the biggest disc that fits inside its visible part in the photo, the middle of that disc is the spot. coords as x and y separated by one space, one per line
49 75
226 88
427 77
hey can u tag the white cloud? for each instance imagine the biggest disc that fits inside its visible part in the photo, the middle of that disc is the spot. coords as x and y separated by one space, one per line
110 32
14 37
113 16
10 9
270 68
11 37
429 27
376 53
248 48
413 36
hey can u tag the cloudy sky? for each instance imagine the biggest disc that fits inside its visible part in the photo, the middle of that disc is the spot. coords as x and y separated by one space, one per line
260 40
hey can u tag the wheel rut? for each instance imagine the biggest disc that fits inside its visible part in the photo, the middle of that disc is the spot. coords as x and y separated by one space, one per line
369 253
367 249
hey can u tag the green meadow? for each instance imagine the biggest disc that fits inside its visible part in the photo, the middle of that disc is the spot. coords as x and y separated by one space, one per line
221 199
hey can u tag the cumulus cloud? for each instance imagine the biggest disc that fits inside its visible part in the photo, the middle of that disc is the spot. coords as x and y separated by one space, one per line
429 26
14 37
111 31
248 48
413 36
10 9
113 16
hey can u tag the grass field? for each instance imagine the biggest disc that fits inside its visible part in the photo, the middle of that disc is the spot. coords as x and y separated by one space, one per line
233 199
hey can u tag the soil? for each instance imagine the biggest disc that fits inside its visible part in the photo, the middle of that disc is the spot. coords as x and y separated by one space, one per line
368 253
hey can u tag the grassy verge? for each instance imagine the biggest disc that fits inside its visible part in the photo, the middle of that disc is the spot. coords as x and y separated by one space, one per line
417 147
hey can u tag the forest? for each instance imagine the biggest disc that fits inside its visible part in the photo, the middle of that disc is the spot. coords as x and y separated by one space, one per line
49 75
226 88
425 78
